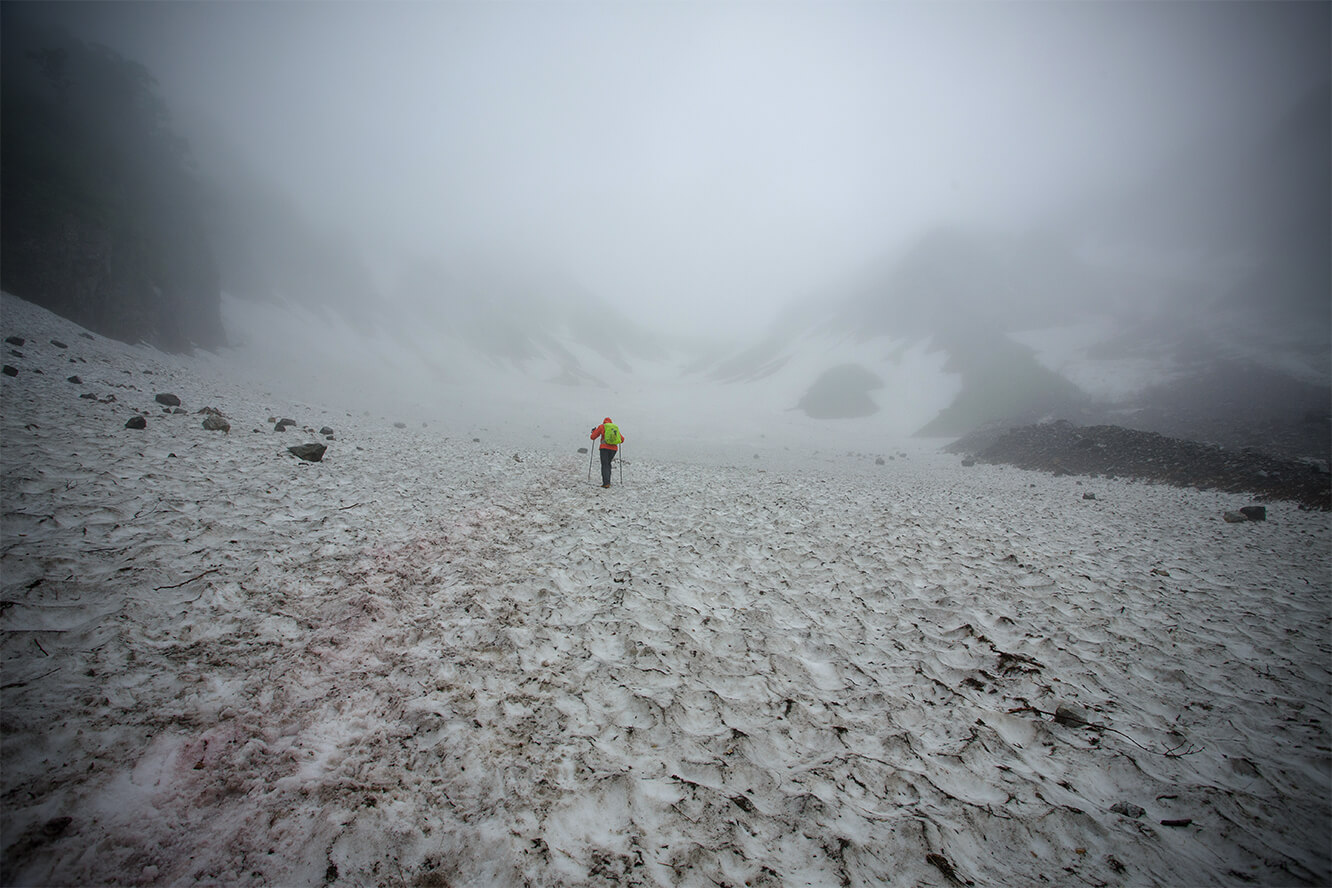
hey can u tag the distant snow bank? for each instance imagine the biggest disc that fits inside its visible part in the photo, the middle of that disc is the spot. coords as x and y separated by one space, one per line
664 411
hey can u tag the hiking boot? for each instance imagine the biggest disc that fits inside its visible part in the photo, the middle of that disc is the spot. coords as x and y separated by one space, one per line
605 485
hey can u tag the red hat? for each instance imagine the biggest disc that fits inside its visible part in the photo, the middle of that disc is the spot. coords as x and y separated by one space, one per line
607 419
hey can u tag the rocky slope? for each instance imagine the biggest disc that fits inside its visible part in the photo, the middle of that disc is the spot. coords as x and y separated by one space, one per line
1113 452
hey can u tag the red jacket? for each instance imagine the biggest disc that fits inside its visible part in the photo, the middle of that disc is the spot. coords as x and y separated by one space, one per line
596 433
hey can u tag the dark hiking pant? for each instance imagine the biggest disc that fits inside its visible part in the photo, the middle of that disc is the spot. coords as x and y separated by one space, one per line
606 457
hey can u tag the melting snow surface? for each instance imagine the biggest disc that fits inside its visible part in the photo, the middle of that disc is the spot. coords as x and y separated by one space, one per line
423 661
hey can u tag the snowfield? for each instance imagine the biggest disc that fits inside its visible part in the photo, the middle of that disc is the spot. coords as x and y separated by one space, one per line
434 661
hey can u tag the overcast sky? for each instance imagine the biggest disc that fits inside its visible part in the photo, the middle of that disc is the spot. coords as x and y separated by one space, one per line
700 164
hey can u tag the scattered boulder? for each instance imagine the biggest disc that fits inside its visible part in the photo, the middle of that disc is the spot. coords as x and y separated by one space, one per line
169 400
1127 809
582 450
179 411
879 461
214 422
308 452
10 371
326 430
1090 496
1254 513
136 422
16 340
400 425
1070 715
968 462
58 344
75 380
284 424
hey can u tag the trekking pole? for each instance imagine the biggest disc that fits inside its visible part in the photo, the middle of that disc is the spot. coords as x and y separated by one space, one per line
591 452
621 463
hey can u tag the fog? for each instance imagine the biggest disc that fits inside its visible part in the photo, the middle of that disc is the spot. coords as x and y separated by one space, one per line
702 166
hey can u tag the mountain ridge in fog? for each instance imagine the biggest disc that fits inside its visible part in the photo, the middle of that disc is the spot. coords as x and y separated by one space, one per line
1205 277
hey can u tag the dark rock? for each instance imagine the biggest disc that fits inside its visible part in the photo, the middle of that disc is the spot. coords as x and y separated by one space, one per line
1127 809
879 461
75 380
1254 513
1090 496
1070 716
88 336
16 340
10 371
56 827
968 462
136 422
168 399
308 452
582 450
400 425
326 431
213 422
284 424
88 396
476 440
180 411
58 344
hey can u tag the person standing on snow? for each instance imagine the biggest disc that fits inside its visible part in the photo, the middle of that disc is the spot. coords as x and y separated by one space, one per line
611 439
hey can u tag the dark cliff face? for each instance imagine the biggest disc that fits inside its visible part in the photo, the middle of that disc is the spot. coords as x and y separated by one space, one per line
102 216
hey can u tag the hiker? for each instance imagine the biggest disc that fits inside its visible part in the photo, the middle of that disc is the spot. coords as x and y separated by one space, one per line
611 438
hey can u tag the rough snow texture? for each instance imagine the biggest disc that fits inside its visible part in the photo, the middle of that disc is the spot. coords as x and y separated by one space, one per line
424 662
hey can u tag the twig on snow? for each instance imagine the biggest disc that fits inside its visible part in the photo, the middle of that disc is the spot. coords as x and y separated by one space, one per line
19 684
190 580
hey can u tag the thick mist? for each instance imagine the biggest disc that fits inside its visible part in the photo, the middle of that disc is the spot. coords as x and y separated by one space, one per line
701 166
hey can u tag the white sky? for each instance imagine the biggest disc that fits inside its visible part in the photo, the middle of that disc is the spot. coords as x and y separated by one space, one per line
701 164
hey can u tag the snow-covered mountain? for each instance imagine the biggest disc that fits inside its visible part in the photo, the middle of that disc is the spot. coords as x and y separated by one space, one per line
1210 321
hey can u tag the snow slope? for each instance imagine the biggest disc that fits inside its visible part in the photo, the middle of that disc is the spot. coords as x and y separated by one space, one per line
434 661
